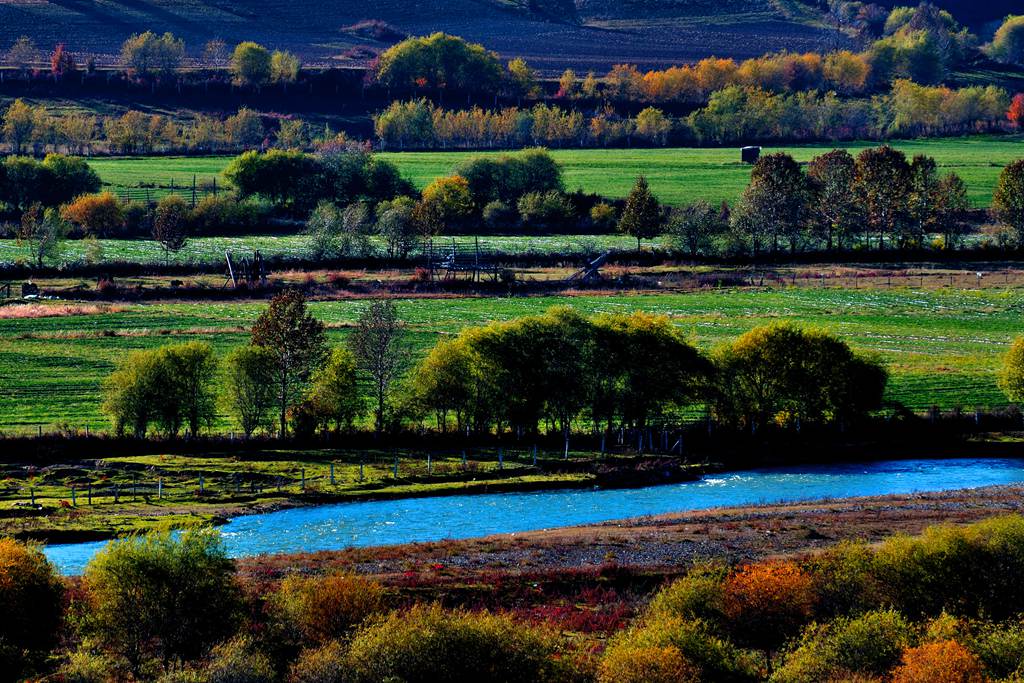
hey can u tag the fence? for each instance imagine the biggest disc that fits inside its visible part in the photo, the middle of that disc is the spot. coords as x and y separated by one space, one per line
152 194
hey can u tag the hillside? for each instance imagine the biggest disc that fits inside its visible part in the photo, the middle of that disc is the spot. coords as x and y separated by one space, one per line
549 33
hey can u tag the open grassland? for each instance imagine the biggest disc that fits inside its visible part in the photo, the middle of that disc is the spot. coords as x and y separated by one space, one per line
943 347
677 176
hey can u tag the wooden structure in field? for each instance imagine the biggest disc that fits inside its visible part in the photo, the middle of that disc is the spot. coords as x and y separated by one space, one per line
591 271
248 272
464 258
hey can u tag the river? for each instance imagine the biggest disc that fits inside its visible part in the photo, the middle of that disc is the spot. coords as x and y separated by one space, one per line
341 525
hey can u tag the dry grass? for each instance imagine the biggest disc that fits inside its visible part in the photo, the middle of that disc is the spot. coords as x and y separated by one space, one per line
41 310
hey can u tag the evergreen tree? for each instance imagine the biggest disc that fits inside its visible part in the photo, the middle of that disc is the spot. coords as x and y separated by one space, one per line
642 216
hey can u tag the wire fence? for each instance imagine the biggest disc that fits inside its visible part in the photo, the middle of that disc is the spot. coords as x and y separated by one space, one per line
151 193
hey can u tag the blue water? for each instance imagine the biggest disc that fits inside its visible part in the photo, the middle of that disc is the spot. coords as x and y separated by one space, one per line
341 525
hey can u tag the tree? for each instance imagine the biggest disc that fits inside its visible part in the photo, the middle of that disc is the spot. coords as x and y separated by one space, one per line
1015 114
70 177
924 200
146 54
215 52
161 596
32 602
335 232
1011 378
694 228
652 124
641 217
61 61
522 79
170 224
396 225
834 206
568 85
767 603
1008 200
19 124
945 661
883 184
251 64
191 368
445 203
23 54
298 343
244 129
334 395
951 210
284 67
42 233
1008 43
379 347
439 61
777 198
135 393
250 387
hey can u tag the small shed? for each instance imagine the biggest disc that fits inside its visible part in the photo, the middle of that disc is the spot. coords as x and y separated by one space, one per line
750 155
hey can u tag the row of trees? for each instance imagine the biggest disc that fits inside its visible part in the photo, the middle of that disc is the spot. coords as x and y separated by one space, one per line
149 56
734 114
32 128
559 368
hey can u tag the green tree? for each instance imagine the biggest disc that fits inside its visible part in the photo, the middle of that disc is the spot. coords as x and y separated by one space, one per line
951 210
291 180
694 228
334 394
32 602
244 129
641 217
284 67
1011 378
42 233
134 392
299 346
1008 43
23 54
777 199
653 125
19 124
395 223
163 597
192 367
835 210
249 380
381 352
147 54
522 79
446 382
925 186
1008 200
170 225
70 177
883 184
439 61
251 64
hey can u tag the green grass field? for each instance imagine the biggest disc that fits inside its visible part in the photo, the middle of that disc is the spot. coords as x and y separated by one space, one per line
210 250
677 176
942 347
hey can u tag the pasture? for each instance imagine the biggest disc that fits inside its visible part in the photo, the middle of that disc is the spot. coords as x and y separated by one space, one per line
942 347
677 176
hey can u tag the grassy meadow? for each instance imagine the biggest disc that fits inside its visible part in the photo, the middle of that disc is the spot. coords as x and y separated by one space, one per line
677 176
942 347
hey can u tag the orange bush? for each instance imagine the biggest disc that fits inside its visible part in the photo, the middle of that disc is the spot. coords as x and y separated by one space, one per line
946 661
646 665
96 214
766 603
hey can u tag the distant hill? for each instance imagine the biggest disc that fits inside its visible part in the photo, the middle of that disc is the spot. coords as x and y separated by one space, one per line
551 34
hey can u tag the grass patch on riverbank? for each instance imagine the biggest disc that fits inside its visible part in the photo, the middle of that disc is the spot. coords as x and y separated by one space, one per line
122 495
942 347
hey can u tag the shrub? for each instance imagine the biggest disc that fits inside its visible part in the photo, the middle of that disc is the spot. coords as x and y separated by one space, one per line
138 219
31 602
101 214
766 603
498 216
1011 378
328 607
646 665
545 210
130 583
238 661
427 644
715 658
325 664
83 666
869 644
604 217
943 662
844 580
225 215
1000 647
698 595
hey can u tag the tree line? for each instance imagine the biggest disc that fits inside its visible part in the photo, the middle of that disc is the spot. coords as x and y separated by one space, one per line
547 373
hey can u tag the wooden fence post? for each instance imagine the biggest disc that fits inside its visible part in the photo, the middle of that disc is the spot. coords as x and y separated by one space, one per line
74 499
332 474
89 494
